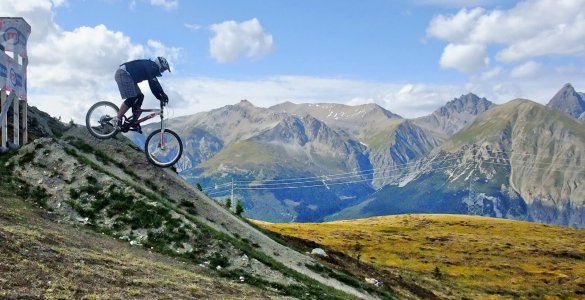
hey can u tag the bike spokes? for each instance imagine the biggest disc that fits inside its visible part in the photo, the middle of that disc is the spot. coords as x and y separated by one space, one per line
100 119
163 148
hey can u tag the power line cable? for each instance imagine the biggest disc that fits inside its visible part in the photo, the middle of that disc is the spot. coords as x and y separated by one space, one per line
324 178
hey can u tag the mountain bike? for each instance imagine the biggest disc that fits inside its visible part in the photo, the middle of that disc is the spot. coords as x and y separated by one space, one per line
163 147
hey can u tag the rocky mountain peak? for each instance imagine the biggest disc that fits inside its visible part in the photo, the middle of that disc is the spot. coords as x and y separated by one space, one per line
455 115
469 103
245 103
569 101
374 108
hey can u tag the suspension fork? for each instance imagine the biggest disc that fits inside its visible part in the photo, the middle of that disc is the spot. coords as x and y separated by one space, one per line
162 127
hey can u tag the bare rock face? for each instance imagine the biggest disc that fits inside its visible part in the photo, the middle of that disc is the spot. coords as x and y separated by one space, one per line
568 101
455 115
243 142
520 160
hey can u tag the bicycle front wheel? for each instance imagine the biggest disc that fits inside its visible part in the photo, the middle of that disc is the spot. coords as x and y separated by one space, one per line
163 148
100 120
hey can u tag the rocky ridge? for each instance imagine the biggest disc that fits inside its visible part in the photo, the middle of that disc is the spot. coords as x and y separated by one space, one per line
520 160
568 101
248 144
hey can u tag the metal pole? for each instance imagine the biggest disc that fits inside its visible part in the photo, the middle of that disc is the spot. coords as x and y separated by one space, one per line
232 199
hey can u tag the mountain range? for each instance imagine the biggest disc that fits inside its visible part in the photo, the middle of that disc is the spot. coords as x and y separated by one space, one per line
315 162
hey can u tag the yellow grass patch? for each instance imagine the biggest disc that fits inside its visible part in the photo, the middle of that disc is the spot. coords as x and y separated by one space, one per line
476 256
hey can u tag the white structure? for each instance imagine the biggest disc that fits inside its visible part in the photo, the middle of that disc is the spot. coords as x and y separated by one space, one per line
14 33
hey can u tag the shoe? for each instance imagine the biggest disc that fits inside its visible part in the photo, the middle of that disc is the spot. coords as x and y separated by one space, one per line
117 124
136 127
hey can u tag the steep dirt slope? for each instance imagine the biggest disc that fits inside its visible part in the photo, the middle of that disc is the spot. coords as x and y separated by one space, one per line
40 259
165 181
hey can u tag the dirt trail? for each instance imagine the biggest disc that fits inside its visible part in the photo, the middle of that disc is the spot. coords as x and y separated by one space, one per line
209 211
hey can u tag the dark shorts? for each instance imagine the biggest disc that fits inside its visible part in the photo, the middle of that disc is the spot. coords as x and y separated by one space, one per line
128 88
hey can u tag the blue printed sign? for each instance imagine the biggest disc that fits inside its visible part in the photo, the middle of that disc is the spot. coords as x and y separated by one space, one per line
14 33
12 77
14 36
3 71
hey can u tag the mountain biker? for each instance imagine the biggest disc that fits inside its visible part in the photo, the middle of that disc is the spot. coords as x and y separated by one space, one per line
129 75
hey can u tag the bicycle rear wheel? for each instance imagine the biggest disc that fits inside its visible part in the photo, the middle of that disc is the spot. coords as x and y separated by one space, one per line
100 120
163 149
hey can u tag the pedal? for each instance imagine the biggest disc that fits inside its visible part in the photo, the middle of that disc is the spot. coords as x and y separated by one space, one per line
125 127
136 128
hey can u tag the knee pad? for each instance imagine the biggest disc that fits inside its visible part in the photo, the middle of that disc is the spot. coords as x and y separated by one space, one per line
138 102
130 102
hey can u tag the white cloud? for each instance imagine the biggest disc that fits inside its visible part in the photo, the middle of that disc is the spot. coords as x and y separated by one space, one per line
563 39
166 4
70 70
192 27
527 69
456 27
458 3
530 29
156 48
409 100
415 100
464 58
492 73
232 40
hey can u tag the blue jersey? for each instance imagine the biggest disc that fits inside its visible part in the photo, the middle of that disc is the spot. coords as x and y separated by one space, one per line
145 69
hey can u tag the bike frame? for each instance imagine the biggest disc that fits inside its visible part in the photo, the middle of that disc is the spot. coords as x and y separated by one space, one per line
153 113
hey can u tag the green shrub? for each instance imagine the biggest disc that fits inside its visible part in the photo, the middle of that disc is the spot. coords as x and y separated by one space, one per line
91 180
26 158
40 196
100 203
102 157
81 145
74 194
191 210
239 208
84 212
91 190
218 260
158 241
119 206
143 215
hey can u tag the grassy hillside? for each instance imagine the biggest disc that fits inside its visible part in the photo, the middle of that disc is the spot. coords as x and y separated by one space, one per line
42 259
519 117
459 256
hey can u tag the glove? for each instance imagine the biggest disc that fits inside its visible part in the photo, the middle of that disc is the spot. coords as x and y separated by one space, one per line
164 98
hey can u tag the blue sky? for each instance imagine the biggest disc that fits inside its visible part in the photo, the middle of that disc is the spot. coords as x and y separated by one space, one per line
408 56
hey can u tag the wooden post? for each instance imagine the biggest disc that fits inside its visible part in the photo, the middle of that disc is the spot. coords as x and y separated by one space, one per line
3 126
15 109
24 123
16 106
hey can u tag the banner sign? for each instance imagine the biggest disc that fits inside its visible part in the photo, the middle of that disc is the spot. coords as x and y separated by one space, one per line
14 33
